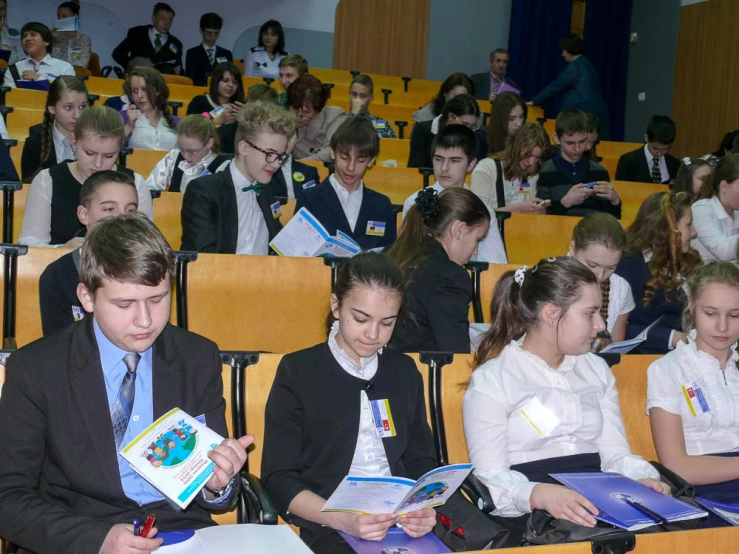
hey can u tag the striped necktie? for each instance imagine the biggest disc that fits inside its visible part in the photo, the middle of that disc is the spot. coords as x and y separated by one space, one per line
121 413
212 56
158 42
656 173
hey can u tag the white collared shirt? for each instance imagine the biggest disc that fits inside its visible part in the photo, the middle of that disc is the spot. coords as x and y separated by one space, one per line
147 137
161 176
580 401
370 459
258 64
711 432
484 178
62 146
665 175
45 68
253 236
620 300
717 232
287 173
36 230
351 202
153 37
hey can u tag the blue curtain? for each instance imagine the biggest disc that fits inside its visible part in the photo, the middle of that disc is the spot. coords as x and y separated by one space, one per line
537 29
607 26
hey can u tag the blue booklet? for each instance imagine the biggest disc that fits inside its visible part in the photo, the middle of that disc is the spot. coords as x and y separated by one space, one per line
728 512
626 503
397 542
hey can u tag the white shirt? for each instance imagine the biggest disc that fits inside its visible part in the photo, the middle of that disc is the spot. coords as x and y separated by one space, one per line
620 300
351 202
484 178
3 129
47 67
580 395
287 173
163 37
258 64
717 232
253 236
36 230
62 146
711 432
161 175
370 459
665 175
147 137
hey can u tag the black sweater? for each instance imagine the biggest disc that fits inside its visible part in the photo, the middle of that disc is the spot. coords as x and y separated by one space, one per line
57 289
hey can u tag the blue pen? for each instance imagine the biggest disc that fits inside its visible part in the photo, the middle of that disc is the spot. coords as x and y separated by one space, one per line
136 527
638 506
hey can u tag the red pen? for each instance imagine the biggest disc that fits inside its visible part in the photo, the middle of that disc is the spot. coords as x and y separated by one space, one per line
148 525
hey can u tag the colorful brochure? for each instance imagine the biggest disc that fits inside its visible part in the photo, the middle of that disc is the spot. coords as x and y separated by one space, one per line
727 512
626 503
172 455
383 495
397 542
233 539
304 236
626 346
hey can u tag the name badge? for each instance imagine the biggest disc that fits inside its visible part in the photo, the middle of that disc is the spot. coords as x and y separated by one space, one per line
221 60
51 77
376 228
541 418
524 188
173 48
77 313
379 124
384 426
309 184
216 112
694 397
75 51
276 210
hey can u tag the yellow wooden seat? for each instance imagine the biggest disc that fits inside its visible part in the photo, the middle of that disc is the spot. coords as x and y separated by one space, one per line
610 164
394 149
176 80
488 279
144 161
388 112
249 81
612 149
29 99
167 217
104 86
335 76
397 183
240 65
288 210
454 378
531 237
259 303
414 100
21 119
633 195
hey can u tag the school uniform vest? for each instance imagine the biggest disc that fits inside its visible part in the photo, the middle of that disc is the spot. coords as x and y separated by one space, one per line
65 197
174 184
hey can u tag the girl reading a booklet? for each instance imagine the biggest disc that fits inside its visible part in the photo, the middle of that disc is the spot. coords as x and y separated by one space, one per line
319 424
692 391
598 241
539 402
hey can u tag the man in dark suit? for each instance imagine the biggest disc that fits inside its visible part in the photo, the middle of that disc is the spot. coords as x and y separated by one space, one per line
153 42
488 84
200 60
342 202
652 163
74 399
233 212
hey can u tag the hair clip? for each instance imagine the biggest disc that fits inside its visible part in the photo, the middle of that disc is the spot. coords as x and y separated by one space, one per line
687 161
520 275
551 259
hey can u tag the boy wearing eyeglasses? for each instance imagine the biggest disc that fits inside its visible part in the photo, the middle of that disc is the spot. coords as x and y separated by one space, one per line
342 202
235 211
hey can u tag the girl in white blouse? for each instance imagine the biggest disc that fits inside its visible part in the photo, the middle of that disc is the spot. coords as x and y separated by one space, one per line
692 392
598 242
197 154
716 213
540 402
149 123
513 172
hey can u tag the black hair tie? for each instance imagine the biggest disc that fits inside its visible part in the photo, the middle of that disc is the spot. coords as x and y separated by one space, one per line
427 203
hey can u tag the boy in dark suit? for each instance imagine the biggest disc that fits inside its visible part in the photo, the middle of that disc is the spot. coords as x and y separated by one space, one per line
153 42
342 202
234 211
74 399
652 163
200 61
293 177
572 184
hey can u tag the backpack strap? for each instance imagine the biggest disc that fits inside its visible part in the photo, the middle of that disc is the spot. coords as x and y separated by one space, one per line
499 184
14 73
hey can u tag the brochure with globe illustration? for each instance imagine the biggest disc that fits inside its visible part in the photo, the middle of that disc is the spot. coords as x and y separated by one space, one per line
626 503
726 511
172 455
396 495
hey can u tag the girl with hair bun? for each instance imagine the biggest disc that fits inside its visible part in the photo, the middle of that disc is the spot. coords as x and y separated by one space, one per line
440 234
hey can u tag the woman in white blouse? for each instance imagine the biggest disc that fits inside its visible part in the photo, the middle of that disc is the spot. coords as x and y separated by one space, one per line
716 213
598 242
540 402
514 173
149 123
697 435
264 59
197 154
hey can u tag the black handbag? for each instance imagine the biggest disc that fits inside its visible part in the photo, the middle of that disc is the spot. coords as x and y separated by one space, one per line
462 526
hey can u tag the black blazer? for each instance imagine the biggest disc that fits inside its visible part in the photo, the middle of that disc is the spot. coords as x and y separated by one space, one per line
307 172
197 66
210 220
324 204
421 140
437 303
57 290
633 166
31 161
59 477
137 44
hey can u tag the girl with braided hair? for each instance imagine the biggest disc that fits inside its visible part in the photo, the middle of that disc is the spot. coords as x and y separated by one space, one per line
440 234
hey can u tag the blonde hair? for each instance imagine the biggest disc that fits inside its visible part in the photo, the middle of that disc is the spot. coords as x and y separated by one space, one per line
520 146
103 121
201 128
257 117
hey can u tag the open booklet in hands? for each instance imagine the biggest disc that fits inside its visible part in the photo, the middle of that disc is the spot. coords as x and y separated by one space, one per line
304 236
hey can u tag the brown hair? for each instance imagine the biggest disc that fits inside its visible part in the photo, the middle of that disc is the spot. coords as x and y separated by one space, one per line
103 121
727 169
97 180
60 86
219 72
128 249
429 219
501 112
358 134
306 89
454 80
684 178
157 91
571 122
365 81
655 230
263 92
522 145
201 128
722 273
556 281
295 60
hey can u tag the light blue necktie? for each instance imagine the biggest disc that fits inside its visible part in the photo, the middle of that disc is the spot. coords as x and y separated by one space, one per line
121 413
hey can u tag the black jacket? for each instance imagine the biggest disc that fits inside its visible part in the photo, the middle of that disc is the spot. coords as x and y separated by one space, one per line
137 44
57 290
31 162
197 66
302 176
633 166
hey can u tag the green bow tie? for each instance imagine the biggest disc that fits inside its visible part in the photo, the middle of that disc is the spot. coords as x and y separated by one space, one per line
257 188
